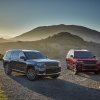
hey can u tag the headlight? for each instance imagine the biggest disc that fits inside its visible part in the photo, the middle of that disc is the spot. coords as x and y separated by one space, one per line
80 62
41 64
59 64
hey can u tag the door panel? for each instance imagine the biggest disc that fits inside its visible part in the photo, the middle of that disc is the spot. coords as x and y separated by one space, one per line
13 63
21 65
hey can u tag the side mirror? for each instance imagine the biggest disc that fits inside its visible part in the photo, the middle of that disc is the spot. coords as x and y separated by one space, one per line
47 56
71 56
22 57
94 56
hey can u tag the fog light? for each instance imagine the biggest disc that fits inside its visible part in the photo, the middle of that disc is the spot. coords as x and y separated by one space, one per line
44 73
41 69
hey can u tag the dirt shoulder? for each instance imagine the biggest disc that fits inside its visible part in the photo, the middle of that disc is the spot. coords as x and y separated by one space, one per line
85 86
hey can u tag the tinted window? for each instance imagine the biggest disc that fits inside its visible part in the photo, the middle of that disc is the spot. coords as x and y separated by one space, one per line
35 55
21 54
8 54
83 55
15 54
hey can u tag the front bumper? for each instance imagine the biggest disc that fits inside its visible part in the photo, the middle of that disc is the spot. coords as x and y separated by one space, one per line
87 67
49 71
44 74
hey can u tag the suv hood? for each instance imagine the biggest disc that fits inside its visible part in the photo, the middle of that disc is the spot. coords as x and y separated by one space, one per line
43 60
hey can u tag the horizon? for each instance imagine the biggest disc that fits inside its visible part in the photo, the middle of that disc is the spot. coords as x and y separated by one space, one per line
18 17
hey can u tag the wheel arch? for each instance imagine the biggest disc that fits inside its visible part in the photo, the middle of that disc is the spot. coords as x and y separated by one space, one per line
4 63
29 66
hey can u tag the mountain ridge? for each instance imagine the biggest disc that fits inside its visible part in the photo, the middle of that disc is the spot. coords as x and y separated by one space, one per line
46 31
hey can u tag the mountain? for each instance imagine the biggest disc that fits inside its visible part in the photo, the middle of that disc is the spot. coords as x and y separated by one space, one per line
5 37
3 40
45 31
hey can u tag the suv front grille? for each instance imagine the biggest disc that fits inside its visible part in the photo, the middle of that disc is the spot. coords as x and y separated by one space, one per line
90 62
51 64
89 67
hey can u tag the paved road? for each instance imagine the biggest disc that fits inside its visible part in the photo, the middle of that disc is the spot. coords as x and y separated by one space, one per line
85 86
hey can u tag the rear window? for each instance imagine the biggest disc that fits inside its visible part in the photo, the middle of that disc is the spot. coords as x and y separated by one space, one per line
83 55
8 54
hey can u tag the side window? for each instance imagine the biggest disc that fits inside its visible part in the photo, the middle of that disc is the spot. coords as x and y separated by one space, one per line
21 54
8 54
15 54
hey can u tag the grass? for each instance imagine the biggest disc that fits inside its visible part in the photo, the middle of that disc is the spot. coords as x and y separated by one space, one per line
2 95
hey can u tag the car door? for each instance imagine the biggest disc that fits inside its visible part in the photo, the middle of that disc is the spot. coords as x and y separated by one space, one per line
22 63
14 60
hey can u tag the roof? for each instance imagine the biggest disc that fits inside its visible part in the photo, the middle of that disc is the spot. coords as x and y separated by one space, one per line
23 50
79 50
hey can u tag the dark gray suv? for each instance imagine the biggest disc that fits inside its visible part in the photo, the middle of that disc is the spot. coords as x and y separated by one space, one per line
32 63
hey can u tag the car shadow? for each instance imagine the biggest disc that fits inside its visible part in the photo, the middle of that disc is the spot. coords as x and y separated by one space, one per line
56 89
90 75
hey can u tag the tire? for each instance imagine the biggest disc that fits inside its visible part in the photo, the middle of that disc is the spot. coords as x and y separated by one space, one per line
54 76
7 69
67 65
31 74
96 73
74 70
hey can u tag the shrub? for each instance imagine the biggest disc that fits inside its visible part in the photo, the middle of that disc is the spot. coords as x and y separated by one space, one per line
1 56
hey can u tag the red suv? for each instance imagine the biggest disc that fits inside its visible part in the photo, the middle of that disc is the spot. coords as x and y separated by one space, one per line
82 61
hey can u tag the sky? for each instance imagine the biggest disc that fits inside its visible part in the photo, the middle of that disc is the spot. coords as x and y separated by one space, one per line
20 16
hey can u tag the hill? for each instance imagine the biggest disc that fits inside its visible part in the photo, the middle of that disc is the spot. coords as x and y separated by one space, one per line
46 31
4 40
53 46
63 38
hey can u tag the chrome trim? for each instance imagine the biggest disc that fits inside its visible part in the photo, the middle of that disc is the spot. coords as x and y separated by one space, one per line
49 74
18 70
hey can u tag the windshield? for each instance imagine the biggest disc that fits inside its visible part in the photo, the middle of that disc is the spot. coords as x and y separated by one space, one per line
35 55
83 55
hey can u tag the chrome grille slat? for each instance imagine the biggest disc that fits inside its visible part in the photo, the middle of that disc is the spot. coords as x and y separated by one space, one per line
55 70
51 64
90 62
89 67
